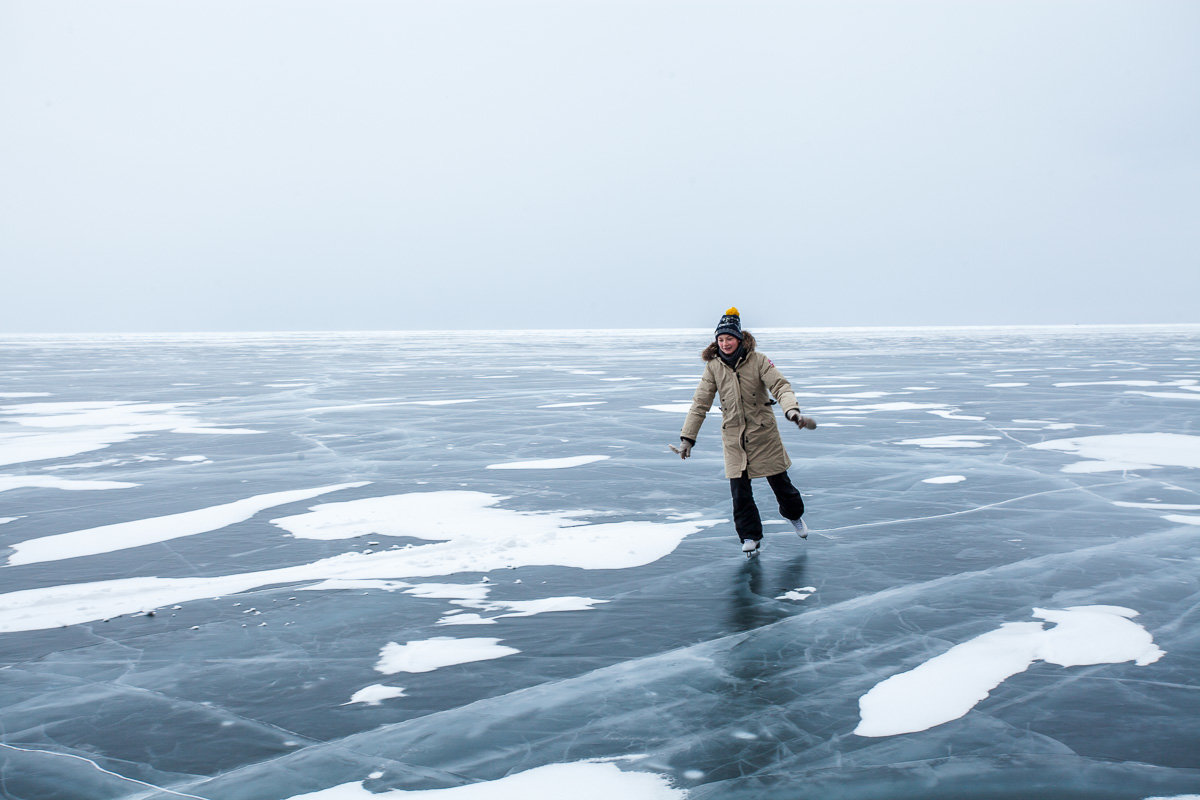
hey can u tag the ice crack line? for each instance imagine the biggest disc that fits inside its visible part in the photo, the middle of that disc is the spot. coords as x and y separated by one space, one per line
102 769
968 510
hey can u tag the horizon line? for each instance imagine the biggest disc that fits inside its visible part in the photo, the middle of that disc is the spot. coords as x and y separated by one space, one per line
658 330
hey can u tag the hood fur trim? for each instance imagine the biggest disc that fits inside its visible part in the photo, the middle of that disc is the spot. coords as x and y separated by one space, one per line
711 352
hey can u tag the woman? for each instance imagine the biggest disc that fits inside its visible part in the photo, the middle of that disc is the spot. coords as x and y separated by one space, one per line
750 438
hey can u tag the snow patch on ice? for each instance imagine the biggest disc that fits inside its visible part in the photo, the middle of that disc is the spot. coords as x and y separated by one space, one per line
427 655
472 536
945 479
678 408
466 619
577 403
581 780
455 401
375 694
947 414
957 440
802 593
1182 519
948 686
8 482
336 584
1128 451
1158 506
870 408
92 425
1005 385
518 608
1169 395
550 463
124 535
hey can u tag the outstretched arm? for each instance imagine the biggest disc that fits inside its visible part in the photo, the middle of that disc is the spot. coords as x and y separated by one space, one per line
782 391
701 402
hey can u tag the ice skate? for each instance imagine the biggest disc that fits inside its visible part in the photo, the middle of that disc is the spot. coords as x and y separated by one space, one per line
750 547
801 528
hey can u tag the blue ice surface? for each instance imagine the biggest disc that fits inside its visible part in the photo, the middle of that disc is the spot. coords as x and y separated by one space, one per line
694 668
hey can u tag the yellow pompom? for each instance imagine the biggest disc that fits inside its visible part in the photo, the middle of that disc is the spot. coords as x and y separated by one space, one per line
732 312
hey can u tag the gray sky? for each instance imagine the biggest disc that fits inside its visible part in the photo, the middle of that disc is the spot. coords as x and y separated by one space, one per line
302 165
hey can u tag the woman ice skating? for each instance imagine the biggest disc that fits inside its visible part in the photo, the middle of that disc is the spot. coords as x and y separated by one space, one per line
749 436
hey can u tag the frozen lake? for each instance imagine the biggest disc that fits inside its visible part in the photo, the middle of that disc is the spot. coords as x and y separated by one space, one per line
258 567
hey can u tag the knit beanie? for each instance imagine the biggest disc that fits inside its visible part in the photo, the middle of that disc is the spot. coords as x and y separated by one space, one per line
731 324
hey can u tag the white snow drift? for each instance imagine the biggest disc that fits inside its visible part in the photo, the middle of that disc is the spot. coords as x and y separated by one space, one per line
427 655
550 463
948 686
123 535
584 780
469 534
1125 451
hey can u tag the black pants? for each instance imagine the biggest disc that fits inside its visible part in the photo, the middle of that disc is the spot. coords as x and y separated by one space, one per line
745 513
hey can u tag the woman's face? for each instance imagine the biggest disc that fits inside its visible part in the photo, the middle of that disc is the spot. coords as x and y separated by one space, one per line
727 343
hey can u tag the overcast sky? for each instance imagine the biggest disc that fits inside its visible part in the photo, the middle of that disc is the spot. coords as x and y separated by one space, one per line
353 165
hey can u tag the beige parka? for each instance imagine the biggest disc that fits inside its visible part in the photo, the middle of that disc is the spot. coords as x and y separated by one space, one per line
749 434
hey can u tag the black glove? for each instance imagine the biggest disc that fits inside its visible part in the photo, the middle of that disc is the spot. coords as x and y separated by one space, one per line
800 420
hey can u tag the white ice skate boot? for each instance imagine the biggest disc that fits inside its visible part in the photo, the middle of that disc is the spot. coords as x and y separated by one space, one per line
801 528
750 548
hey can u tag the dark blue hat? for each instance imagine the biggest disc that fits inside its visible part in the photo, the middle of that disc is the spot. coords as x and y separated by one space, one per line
731 323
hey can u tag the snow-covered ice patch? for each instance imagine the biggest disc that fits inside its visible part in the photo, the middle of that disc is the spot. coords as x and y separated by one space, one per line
83 426
518 608
957 440
426 655
123 535
802 593
550 463
545 605
948 414
1006 385
948 686
452 402
466 619
14 395
50 482
469 534
1168 395
1125 451
1182 519
336 584
870 408
474 592
573 404
945 479
1158 506
678 408
375 694
584 780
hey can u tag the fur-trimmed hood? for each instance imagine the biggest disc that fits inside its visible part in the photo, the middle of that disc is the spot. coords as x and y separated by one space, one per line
711 352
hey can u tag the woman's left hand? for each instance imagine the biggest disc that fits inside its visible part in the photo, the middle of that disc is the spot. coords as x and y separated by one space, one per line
801 420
